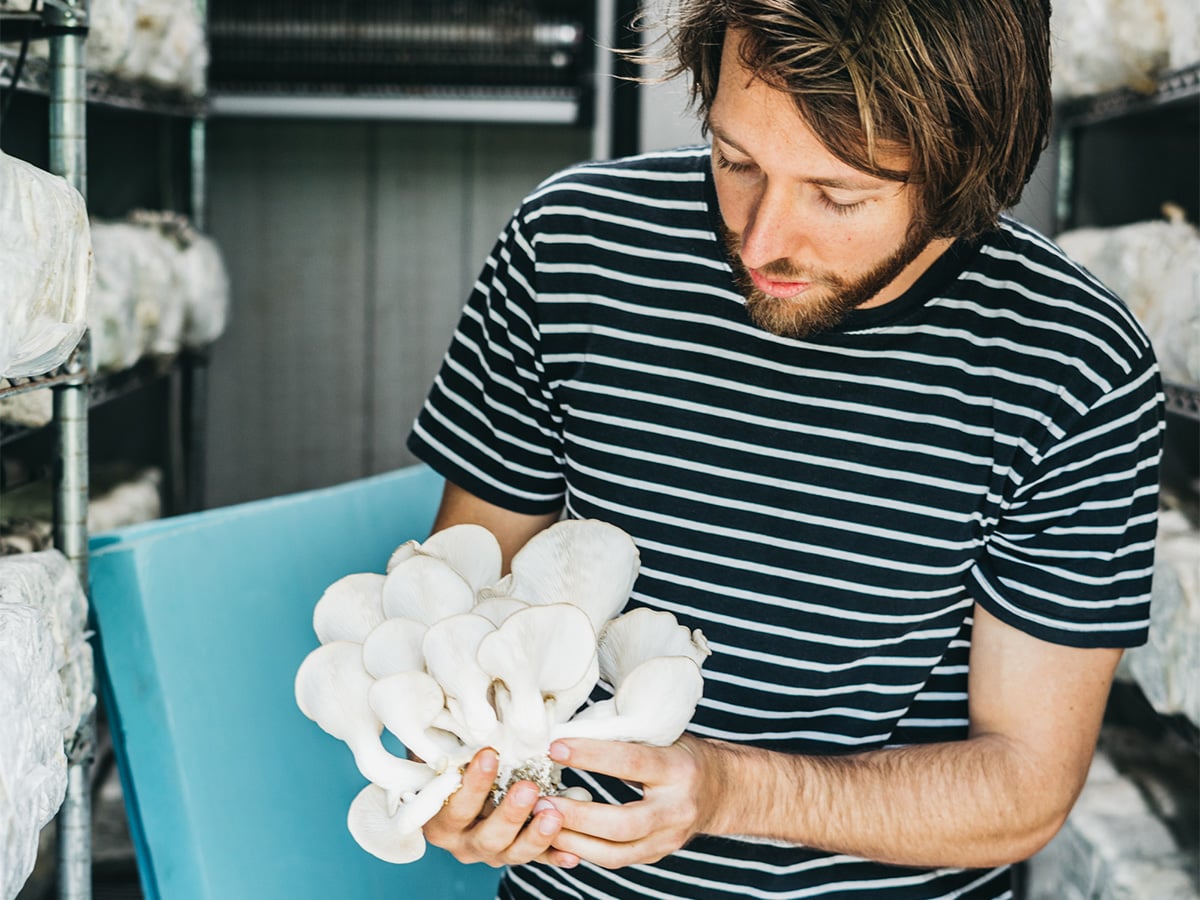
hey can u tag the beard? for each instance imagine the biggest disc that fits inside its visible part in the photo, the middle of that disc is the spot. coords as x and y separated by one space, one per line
829 299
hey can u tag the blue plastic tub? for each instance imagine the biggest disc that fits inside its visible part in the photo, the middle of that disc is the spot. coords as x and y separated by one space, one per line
202 621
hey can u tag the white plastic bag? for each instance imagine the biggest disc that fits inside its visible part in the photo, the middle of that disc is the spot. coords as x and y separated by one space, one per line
206 290
160 286
1101 45
45 692
168 46
1155 268
45 269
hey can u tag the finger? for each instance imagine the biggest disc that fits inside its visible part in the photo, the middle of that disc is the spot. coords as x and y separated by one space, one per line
637 763
536 838
470 800
559 858
495 836
617 823
604 853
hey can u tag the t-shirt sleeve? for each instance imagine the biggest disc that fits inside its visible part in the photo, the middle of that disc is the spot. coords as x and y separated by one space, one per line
490 423
1071 559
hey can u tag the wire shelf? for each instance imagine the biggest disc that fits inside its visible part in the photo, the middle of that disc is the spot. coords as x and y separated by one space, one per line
104 89
18 25
1182 399
68 373
102 388
1170 87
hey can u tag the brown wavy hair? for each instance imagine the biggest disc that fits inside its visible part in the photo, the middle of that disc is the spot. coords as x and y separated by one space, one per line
962 87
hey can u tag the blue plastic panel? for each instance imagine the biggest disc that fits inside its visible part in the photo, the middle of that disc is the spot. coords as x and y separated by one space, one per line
202 621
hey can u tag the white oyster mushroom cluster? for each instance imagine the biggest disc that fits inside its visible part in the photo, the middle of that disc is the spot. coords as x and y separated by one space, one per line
451 658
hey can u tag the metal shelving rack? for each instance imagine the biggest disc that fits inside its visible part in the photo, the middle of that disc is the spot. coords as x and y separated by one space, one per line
1175 89
1173 97
70 89
65 23
104 91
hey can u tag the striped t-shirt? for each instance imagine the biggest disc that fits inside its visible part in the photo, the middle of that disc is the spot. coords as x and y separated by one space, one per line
826 510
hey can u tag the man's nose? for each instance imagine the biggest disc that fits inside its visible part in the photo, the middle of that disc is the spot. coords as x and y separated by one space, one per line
774 228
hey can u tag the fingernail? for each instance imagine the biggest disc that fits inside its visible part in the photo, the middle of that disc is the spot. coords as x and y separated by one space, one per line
559 752
524 795
543 805
489 763
547 825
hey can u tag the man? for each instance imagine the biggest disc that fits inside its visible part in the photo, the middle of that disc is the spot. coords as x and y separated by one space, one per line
892 452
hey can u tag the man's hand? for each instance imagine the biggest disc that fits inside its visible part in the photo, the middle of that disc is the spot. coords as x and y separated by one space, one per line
474 830
680 791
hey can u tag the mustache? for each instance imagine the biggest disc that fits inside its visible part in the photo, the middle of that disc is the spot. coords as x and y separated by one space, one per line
782 270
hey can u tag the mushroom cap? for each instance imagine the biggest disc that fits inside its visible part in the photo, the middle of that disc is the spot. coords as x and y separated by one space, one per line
381 833
585 562
349 608
425 589
470 550
409 704
394 645
332 689
653 705
641 634
536 653
392 831
449 648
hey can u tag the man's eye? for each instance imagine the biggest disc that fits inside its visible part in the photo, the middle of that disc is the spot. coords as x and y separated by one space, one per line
842 209
731 166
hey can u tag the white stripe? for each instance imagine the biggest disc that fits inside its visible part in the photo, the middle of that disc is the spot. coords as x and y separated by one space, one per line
480 474
797 428
988 343
510 439
863 662
631 887
724 357
705 234
1055 326
733 590
795 487
847 712
792 690
638 199
633 250
1057 624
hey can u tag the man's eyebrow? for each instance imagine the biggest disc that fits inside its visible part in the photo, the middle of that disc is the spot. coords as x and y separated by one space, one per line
725 138
866 183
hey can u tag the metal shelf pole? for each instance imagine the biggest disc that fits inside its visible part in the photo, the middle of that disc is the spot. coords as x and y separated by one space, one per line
602 87
68 158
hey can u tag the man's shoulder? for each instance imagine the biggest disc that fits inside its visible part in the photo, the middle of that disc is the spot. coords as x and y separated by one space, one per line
1020 252
1047 296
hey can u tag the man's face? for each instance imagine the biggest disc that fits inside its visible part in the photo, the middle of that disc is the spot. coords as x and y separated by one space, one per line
810 237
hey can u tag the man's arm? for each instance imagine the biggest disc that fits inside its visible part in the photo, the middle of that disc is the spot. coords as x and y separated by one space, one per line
995 798
511 529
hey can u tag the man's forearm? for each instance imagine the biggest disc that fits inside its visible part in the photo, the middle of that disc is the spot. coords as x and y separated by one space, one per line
969 803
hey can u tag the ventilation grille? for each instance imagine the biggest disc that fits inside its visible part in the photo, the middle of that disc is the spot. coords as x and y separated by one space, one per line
400 47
